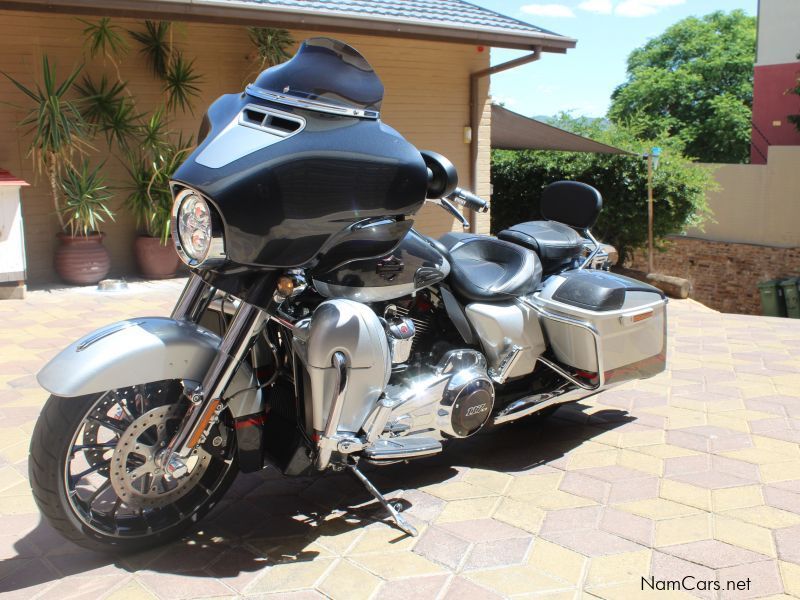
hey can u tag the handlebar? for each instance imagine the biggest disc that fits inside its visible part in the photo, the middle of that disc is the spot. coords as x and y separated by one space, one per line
469 200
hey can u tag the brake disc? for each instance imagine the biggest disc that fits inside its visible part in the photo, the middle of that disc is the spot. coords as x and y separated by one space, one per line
117 401
136 473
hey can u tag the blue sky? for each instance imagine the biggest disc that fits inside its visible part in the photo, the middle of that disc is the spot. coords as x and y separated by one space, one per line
607 30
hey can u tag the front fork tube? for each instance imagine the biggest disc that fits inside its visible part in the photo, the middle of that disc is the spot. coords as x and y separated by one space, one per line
194 300
206 399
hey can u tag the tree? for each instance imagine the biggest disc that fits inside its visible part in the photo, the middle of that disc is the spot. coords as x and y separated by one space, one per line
694 82
796 90
680 186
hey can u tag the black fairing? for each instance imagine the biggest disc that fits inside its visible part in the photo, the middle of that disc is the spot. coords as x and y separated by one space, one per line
413 264
287 203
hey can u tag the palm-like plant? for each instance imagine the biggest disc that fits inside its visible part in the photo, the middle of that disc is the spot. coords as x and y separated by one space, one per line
99 100
155 45
57 126
272 45
154 131
103 38
108 110
86 199
150 197
179 83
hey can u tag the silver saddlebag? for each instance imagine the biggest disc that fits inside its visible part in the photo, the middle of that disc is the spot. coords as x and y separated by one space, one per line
600 322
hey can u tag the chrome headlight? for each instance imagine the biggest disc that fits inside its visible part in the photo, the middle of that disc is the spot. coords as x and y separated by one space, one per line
193 230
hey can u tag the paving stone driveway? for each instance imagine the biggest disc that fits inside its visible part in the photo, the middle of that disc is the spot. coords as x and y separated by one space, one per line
693 473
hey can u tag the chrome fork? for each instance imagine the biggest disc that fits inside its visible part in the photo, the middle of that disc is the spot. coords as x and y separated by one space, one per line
206 399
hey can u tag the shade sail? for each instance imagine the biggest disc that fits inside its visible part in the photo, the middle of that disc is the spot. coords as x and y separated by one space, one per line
513 131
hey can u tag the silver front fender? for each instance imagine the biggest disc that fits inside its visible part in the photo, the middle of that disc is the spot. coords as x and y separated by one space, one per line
139 351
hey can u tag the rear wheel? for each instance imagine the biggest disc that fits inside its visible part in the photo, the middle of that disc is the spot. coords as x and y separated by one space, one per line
95 472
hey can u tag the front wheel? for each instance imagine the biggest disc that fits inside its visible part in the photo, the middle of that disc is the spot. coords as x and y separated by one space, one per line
95 473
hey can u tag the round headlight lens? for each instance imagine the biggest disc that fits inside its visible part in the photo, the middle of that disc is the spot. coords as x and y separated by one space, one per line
194 227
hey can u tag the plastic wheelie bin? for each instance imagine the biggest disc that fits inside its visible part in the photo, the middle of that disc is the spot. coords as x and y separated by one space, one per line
772 301
791 296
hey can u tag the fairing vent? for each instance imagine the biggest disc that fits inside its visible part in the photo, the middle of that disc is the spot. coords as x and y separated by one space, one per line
281 124
253 129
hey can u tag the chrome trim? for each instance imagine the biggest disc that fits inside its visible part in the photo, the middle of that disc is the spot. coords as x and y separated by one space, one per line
216 251
192 303
309 104
243 328
535 404
375 423
362 294
566 375
590 258
401 448
448 206
104 333
601 376
500 374
327 440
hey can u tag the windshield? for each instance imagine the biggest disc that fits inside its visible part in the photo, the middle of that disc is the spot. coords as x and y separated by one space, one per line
325 75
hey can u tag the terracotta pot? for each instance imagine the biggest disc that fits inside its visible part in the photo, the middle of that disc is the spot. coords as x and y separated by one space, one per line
82 260
155 260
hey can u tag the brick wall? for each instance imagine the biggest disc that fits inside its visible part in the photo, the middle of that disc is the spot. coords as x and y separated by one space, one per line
724 275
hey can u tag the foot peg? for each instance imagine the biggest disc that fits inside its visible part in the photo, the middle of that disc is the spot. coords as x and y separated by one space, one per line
402 448
396 516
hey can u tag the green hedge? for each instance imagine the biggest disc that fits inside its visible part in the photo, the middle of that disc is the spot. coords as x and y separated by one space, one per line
680 186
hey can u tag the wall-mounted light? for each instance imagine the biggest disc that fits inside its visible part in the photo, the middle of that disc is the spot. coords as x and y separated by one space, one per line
467 134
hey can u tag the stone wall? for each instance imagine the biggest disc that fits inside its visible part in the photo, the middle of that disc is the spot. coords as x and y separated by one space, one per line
724 275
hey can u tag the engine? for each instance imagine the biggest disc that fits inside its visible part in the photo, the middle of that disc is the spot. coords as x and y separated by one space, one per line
453 399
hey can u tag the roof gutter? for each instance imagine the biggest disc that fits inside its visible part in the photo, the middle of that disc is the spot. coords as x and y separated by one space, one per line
476 113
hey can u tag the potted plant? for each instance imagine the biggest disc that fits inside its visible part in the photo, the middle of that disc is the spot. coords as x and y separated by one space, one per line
146 147
58 133
150 202
81 258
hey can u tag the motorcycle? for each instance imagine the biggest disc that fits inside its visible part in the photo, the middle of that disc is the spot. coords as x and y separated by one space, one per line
318 330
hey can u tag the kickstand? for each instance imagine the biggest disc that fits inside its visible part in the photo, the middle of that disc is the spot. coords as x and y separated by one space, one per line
398 518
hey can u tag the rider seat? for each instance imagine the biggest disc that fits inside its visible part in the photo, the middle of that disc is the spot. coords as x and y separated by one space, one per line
567 206
484 269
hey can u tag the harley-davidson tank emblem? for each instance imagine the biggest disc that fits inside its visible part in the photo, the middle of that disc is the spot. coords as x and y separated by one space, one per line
389 267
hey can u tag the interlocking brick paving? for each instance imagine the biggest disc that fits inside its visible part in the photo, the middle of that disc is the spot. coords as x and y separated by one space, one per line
694 472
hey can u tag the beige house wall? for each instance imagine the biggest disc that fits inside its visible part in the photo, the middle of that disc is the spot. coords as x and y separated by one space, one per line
778 22
426 99
757 204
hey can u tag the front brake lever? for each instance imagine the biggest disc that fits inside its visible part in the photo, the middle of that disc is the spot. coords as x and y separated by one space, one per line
448 206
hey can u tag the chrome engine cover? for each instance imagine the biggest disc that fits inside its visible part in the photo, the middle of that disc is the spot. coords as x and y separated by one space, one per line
452 399
467 401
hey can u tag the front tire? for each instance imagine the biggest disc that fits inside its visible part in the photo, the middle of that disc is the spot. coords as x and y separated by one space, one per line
80 434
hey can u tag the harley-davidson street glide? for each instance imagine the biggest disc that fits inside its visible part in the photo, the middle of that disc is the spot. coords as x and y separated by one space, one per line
318 330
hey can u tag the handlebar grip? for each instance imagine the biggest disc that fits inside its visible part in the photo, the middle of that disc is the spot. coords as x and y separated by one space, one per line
469 200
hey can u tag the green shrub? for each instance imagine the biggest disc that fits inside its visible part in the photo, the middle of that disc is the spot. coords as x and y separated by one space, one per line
679 186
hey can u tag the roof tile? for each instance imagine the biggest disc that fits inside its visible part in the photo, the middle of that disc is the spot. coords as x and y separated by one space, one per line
446 13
